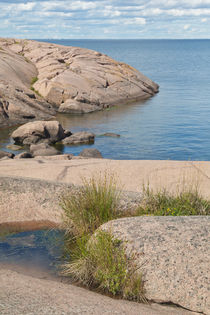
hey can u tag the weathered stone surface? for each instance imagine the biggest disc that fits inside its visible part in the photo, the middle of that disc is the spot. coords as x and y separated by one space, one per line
39 131
70 79
24 155
74 107
16 102
79 138
43 149
173 255
6 154
91 153
55 157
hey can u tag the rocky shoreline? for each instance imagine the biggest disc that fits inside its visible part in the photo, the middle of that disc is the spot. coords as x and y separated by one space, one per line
39 79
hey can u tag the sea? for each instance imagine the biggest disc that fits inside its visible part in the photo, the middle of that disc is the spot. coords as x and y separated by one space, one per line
172 125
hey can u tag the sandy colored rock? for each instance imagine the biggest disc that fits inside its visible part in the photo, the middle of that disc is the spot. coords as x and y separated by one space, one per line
38 131
69 79
43 149
91 153
16 104
173 256
24 155
6 154
79 138
21 294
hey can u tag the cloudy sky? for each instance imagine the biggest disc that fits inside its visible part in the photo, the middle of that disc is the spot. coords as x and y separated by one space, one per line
105 18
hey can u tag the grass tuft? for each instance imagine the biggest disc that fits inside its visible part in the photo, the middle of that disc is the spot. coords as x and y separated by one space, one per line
101 263
162 203
95 203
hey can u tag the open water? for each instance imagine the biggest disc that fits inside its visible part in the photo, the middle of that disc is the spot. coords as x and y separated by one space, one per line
174 124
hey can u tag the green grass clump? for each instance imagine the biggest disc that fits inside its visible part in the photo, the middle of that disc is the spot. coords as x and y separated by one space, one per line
95 203
95 258
33 80
185 203
101 263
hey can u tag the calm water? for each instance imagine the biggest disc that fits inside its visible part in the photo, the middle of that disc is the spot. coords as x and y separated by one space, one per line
37 253
175 124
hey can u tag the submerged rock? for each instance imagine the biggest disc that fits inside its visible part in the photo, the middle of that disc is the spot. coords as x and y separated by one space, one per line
39 131
37 79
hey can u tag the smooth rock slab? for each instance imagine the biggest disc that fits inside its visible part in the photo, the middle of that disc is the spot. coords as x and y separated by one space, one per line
174 256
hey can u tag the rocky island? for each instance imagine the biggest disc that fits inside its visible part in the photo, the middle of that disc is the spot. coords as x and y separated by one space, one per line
39 79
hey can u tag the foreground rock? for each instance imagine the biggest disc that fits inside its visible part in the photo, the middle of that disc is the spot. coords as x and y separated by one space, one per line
39 131
21 294
83 137
173 255
69 79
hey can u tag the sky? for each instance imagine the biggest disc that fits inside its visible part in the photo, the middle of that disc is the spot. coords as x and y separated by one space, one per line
105 19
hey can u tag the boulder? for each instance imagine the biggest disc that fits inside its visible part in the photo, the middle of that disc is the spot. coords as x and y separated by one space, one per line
43 149
6 154
24 155
39 131
79 138
173 256
91 153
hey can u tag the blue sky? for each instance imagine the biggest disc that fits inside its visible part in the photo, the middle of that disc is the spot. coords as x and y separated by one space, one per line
105 19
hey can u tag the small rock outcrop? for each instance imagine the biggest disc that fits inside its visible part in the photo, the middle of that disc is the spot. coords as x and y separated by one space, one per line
39 131
82 137
173 256
24 155
4 154
43 149
37 79
91 153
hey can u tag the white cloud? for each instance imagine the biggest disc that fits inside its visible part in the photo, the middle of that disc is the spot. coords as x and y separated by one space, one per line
119 17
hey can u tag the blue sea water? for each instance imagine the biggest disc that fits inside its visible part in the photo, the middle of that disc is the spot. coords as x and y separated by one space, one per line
174 124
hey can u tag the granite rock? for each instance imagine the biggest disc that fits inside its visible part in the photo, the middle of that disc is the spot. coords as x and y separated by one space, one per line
173 255
91 153
39 131
82 137
37 79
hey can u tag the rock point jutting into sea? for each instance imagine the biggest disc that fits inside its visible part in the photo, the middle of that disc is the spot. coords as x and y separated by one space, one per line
39 79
